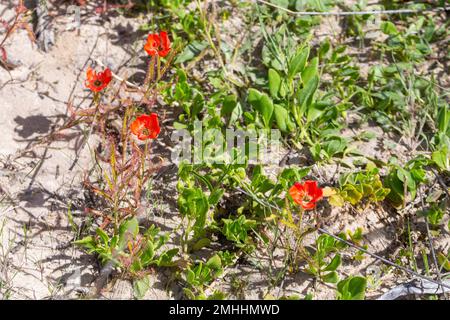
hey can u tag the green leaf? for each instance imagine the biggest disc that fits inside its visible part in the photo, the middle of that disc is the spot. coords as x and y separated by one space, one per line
265 107
351 194
87 242
334 145
179 126
306 94
389 28
352 288
298 62
444 119
103 236
441 158
228 104
231 107
281 117
281 3
443 261
253 97
148 254
215 196
197 104
214 263
324 48
311 70
203 242
274 83
315 110
190 276
334 264
194 204
165 260
331 277
141 286
336 200
191 51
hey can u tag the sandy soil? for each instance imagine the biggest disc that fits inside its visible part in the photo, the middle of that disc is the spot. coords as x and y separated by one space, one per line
41 184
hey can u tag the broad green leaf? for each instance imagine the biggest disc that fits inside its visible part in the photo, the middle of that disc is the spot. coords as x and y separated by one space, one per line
191 51
253 97
441 158
306 94
179 126
331 277
274 83
324 48
315 110
141 286
352 288
297 63
148 254
266 109
311 70
231 107
214 263
87 242
389 28
228 105
334 264
165 260
444 119
281 117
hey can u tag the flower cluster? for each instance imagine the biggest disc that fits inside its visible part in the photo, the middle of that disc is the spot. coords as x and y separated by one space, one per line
145 126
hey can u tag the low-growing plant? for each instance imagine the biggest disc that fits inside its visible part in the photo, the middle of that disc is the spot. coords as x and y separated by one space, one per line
325 259
403 181
237 230
359 188
129 249
200 275
351 288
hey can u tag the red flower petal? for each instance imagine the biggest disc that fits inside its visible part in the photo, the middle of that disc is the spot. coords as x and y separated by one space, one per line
146 126
97 81
307 194
158 44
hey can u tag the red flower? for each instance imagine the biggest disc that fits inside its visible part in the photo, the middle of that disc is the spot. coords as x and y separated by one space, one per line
158 44
97 81
146 126
306 194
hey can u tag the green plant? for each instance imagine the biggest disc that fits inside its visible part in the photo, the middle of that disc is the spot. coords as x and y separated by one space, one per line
364 187
237 230
351 288
434 213
200 275
291 105
404 180
441 156
444 261
128 249
412 44
325 260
